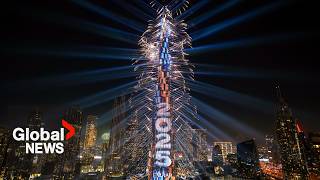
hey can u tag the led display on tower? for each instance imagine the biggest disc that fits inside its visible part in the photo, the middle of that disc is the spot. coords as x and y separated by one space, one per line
162 99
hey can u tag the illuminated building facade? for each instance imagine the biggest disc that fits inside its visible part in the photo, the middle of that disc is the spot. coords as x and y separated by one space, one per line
162 149
272 150
248 160
217 159
269 160
5 140
15 163
118 124
114 165
162 99
92 161
232 159
209 150
68 164
226 148
292 157
89 149
91 132
302 145
134 149
200 152
314 139
313 155
35 122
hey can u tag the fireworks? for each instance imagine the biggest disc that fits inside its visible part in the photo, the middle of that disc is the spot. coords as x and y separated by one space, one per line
162 99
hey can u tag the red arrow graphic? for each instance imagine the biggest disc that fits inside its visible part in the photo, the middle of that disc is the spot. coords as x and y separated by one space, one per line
71 129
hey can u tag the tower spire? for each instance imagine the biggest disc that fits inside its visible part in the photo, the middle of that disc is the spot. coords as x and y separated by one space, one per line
278 92
279 95
288 140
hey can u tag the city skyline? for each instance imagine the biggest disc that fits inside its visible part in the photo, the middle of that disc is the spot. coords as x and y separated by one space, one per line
104 129
45 68
117 154
107 129
163 89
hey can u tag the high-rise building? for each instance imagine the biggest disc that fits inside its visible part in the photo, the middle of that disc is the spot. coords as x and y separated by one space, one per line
217 159
302 144
114 165
92 162
292 157
267 150
269 142
226 148
49 166
162 99
198 148
248 160
230 167
272 150
5 136
68 163
221 151
89 148
91 132
35 122
313 155
314 139
200 153
269 159
132 151
18 164
118 124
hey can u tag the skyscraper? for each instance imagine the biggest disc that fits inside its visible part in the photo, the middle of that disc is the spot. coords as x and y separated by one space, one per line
114 165
5 137
226 148
302 144
35 122
163 99
91 132
89 149
199 149
291 152
68 163
18 164
313 155
133 151
200 152
248 159
272 150
217 159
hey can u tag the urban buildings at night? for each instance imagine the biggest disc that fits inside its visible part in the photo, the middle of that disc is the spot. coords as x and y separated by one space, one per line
68 164
226 148
292 151
248 160
115 154
160 90
91 132
114 165
313 154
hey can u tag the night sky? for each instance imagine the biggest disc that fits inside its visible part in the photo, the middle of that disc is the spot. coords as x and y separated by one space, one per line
44 42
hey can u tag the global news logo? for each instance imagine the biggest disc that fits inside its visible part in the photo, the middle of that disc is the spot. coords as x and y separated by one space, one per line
43 141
